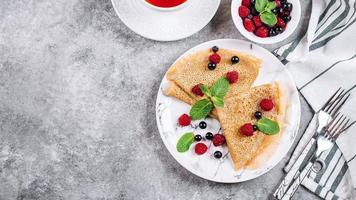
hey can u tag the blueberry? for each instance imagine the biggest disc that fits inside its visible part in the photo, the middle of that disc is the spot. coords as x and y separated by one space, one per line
272 32
217 154
275 11
279 10
279 30
255 128
209 136
287 6
286 18
202 125
282 1
253 10
198 138
215 49
235 59
211 66
258 115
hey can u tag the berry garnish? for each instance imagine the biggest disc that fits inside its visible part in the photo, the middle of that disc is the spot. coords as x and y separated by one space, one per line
244 11
286 18
218 139
272 32
257 21
200 148
246 3
198 138
248 24
262 32
279 30
184 120
266 104
211 66
217 154
255 128
202 125
197 91
214 58
215 49
280 22
258 115
253 10
235 59
246 129
209 136
287 6
232 77
278 3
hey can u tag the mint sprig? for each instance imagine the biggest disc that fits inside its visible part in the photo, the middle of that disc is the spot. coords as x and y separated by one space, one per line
215 97
265 7
184 142
268 126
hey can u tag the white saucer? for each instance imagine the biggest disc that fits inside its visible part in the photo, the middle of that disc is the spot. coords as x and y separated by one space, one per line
168 110
165 25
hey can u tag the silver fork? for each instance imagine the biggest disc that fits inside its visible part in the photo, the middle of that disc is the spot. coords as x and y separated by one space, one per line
324 142
325 115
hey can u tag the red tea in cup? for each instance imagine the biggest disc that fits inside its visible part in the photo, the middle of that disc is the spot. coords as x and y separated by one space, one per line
166 3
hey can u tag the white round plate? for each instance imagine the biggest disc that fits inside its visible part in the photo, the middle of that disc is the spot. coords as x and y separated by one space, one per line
168 110
165 24
291 26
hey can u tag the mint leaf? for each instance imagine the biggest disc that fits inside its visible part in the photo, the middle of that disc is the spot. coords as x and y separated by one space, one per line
184 142
220 88
218 102
270 5
260 5
268 18
268 126
205 90
200 109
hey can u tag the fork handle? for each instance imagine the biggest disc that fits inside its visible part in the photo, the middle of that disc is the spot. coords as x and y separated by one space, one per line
297 181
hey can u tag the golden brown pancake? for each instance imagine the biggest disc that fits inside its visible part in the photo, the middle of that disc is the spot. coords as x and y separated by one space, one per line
192 70
239 110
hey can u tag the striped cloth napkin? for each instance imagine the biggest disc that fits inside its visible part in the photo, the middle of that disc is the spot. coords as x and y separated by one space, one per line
323 60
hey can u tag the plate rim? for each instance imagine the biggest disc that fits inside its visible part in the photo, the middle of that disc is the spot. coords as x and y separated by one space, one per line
159 39
294 131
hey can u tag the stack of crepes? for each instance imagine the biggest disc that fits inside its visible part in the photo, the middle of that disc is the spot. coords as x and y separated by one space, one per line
240 102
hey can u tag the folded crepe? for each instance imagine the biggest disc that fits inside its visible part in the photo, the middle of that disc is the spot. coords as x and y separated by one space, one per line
192 70
239 110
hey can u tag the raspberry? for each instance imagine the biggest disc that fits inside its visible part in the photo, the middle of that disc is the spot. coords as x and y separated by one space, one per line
278 3
218 140
246 129
246 3
214 58
257 20
280 23
184 120
232 77
248 24
262 32
197 91
200 148
243 11
266 104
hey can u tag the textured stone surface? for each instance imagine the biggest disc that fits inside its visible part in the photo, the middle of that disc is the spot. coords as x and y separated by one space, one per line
77 115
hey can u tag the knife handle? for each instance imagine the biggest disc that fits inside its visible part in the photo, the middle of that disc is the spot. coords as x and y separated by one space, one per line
298 180
293 172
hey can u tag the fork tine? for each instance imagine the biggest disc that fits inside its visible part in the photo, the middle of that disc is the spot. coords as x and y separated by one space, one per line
351 124
338 107
329 100
332 126
342 129
339 127
335 102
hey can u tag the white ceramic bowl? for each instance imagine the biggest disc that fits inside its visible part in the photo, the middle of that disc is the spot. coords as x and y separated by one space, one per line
292 25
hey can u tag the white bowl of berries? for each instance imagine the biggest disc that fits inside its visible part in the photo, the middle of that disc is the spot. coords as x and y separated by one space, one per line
266 21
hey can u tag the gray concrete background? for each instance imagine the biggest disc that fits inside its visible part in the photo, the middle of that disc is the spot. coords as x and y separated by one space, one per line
77 115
